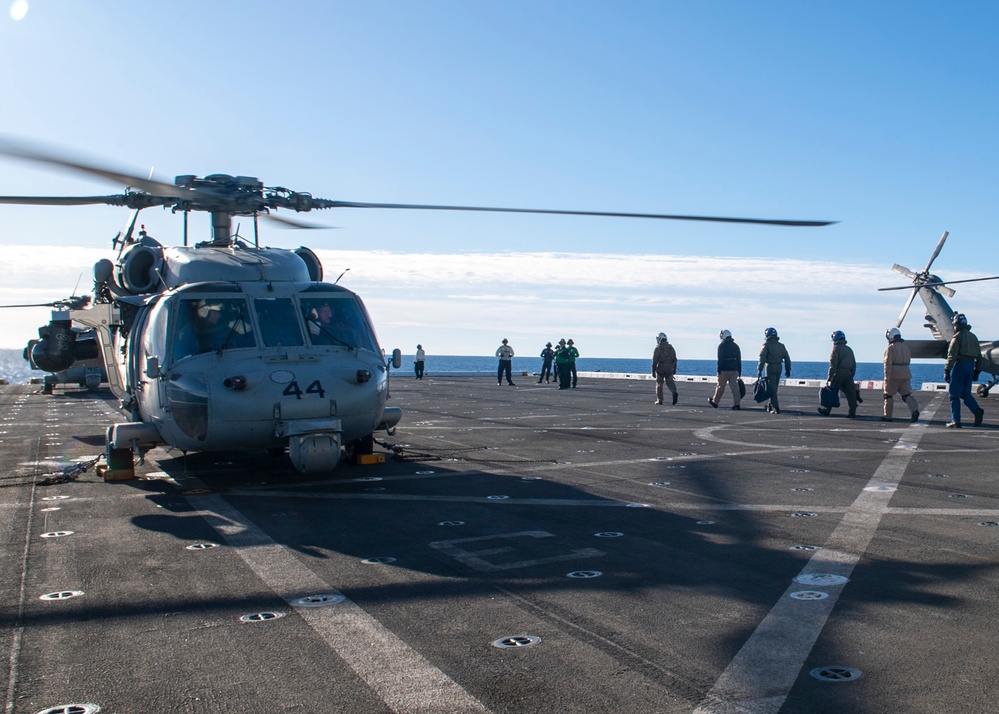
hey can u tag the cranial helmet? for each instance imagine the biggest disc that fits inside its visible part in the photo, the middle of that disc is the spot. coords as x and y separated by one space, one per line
661 337
838 335
770 332
892 333
724 334
206 306
960 320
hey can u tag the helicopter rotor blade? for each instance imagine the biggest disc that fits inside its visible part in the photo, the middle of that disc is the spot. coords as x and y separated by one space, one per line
936 252
324 203
114 200
291 223
908 303
20 150
943 282
901 269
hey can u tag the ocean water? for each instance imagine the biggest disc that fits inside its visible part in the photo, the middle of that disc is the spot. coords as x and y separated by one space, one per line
15 370
922 371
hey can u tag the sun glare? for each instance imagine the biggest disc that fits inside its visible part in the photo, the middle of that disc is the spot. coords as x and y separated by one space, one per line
18 9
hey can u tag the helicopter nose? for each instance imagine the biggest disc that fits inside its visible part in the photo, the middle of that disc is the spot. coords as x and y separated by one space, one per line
363 376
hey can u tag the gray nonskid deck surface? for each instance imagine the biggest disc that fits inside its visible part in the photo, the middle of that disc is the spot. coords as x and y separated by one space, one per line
524 549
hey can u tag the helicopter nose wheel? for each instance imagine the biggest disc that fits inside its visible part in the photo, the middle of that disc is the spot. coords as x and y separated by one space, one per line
983 390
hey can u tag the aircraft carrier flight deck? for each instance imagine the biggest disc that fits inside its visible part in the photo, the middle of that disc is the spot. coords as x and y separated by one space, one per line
522 549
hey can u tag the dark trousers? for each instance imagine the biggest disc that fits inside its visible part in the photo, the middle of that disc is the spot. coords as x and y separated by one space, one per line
505 367
564 376
546 371
961 379
572 372
844 382
418 366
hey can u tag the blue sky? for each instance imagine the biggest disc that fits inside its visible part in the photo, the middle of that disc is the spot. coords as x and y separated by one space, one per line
877 115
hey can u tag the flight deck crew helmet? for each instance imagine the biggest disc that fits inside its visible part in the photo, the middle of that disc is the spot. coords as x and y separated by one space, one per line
548 345
724 335
838 336
960 320
661 337
770 332
892 333
206 306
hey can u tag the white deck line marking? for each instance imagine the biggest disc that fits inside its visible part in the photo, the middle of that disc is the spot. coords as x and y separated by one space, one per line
396 673
760 676
17 634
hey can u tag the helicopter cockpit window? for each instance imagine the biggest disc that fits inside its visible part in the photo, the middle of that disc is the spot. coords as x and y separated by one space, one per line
279 326
211 324
337 321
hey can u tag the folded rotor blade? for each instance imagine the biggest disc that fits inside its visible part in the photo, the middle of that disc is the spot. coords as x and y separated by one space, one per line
936 252
904 271
943 282
323 203
898 322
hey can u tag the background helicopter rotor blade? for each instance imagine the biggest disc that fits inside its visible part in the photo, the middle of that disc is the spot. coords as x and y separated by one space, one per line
936 252
908 303
74 303
942 282
324 203
904 271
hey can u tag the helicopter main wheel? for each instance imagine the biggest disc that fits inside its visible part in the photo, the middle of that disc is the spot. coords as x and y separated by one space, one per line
359 447
982 390
119 461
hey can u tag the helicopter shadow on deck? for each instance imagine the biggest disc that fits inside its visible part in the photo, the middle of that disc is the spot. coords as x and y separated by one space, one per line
526 542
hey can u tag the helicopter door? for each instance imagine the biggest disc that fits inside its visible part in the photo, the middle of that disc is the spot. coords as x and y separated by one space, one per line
279 326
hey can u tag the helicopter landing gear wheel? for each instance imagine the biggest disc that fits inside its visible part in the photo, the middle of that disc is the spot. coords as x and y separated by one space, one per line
982 390
359 447
120 464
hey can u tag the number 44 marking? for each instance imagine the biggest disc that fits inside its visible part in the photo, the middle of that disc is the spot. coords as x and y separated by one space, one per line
293 390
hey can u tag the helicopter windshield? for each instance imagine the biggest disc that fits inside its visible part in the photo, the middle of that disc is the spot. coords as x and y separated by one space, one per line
211 324
279 325
336 320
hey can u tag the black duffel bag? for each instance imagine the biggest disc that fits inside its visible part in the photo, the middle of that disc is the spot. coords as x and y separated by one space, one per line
761 390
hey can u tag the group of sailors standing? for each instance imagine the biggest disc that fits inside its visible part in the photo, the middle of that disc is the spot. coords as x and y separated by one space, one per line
559 363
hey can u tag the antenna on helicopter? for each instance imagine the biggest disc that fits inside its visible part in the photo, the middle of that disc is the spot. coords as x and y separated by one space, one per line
340 276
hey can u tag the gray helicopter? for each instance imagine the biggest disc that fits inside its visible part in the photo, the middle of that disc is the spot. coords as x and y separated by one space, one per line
88 369
939 317
225 345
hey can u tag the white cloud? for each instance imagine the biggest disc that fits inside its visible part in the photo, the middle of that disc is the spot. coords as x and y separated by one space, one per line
611 304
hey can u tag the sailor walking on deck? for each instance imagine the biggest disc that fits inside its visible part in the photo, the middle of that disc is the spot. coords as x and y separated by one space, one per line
898 375
773 355
729 369
964 362
842 368
664 367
